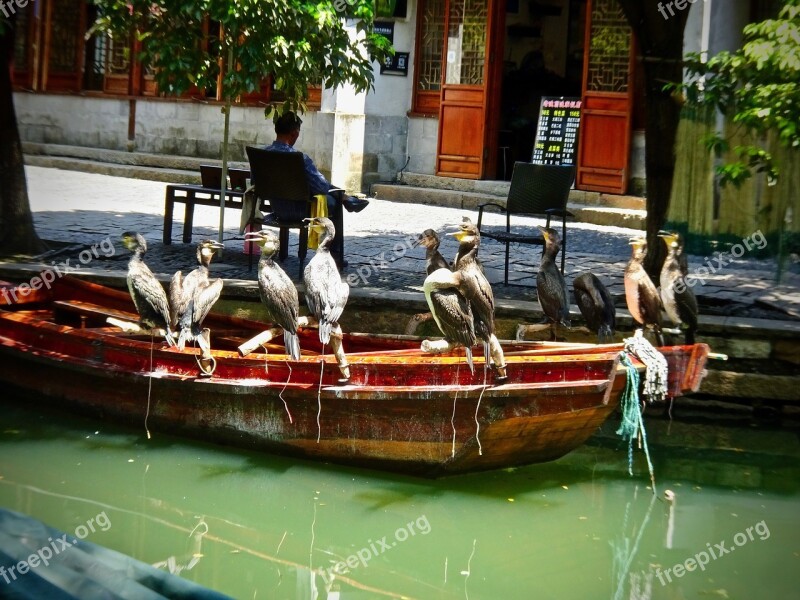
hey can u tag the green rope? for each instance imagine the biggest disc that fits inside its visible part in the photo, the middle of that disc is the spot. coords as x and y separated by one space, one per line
632 422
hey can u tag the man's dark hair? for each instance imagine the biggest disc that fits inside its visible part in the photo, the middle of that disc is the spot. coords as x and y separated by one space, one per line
287 123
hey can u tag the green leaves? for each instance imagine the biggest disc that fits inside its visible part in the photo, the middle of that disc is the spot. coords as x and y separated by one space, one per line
758 86
298 42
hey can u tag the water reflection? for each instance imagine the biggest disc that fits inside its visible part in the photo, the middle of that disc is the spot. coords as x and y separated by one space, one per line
248 524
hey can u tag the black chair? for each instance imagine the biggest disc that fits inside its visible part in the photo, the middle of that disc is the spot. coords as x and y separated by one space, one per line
280 180
536 190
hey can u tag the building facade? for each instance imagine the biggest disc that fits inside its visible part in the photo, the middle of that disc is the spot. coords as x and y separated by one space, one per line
461 98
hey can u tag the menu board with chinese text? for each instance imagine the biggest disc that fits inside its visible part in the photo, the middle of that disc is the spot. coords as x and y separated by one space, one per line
557 133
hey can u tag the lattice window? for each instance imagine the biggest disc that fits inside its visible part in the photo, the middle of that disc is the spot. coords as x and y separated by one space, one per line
119 57
65 26
466 42
609 50
431 32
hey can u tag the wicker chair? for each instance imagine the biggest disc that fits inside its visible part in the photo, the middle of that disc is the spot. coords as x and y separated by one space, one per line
536 190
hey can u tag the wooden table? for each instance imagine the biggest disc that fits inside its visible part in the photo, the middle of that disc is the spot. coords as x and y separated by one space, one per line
192 195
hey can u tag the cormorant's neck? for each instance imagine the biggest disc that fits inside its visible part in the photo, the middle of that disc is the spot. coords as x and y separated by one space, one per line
431 252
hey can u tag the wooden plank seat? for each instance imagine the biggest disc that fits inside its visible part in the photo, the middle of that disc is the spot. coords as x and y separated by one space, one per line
94 311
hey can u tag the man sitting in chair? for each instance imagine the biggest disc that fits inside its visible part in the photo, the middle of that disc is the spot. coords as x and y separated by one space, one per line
287 130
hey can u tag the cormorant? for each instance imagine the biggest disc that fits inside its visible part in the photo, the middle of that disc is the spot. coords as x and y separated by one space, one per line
450 309
148 296
550 285
474 285
596 305
641 296
193 296
678 299
277 291
326 293
434 260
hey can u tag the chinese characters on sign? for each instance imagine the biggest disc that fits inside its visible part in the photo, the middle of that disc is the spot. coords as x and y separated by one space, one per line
557 134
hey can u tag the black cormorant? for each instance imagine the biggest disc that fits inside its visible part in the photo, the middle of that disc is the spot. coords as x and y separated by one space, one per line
147 293
434 260
596 305
474 285
277 291
677 297
550 285
326 293
193 296
641 296
450 309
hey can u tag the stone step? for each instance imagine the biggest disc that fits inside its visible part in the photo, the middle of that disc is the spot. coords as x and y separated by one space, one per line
468 199
136 165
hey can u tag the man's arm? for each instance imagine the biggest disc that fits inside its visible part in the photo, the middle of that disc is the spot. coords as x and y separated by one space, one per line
316 182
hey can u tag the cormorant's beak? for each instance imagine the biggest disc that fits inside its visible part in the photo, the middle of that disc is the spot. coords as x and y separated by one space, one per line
253 235
545 233
217 245
459 235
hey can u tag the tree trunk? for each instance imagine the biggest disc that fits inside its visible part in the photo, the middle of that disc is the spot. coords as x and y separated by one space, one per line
17 234
660 42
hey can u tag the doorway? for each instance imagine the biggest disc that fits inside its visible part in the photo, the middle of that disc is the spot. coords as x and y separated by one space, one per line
543 55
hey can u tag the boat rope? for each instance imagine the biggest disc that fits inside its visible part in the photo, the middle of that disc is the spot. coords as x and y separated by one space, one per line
149 383
280 394
656 381
477 407
453 416
632 425
319 391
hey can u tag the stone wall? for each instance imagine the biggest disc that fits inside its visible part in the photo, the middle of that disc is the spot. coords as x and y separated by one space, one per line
422 142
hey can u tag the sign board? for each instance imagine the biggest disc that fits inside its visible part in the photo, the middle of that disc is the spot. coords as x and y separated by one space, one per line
395 65
385 28
557 132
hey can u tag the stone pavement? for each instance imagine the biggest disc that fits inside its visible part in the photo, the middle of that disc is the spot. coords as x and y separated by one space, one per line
84 209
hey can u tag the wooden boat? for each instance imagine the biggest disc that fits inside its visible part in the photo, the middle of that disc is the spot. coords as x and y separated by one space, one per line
400 410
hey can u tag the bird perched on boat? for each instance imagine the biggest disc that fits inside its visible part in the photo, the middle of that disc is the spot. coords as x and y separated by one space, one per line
434 260
478 292
550 285
641 295
193 296
277 291
677 297
450 309
147 293
596 305
326 293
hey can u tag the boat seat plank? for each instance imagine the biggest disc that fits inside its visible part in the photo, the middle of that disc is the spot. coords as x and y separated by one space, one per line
94 310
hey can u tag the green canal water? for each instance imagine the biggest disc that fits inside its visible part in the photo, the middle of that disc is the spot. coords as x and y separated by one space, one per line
256 526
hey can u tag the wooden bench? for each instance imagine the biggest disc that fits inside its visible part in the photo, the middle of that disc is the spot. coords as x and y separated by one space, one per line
204 195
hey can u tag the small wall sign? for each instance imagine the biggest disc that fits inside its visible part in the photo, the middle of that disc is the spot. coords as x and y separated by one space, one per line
395 65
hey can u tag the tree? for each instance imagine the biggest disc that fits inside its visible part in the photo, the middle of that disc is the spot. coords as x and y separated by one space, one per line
297 42
758 87
660 42
17 234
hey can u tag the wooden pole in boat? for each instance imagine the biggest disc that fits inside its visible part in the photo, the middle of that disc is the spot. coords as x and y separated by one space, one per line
268 335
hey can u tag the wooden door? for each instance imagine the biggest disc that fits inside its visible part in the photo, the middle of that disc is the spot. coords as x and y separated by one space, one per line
469 89
604 145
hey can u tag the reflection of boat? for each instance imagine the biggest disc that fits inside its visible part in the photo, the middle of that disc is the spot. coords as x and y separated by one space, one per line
400 410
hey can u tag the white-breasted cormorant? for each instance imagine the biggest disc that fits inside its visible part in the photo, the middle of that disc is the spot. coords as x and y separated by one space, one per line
193 296
677 297
641 295
596 306
277 291
326 293
434 260
551 288
450 309
147 293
